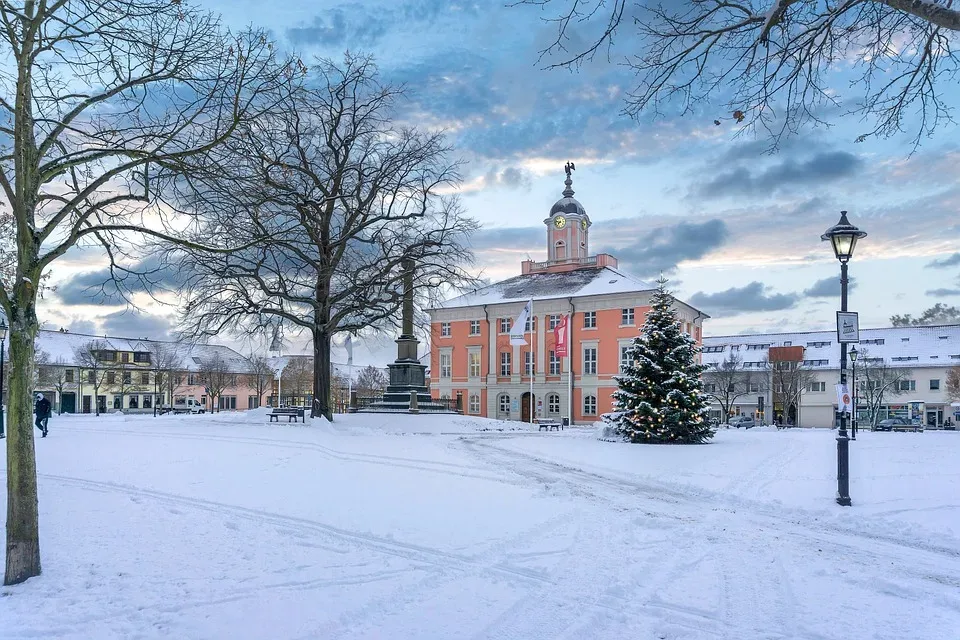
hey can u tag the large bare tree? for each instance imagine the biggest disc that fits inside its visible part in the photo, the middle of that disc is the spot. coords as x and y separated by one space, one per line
93 368
789 380
259 376
953 384
776 64
728 381
103 101
166 360
347 196
297 377
215 375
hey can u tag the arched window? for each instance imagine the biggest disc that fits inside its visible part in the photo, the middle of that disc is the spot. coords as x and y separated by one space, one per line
553 404
590 405
560 250
503 403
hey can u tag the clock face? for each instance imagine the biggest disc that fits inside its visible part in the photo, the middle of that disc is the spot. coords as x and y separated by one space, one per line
560 222
583 223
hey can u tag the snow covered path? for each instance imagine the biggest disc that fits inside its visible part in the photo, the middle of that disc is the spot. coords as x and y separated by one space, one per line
208 527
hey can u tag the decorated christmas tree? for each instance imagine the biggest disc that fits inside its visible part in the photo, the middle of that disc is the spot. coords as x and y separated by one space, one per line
661 399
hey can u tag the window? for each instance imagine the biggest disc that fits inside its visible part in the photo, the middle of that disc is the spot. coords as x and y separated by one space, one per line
111 377
907 385
753 387
474 364
91 377
134 402
144 358
554 321
124 357
904 339
107 356
935 385
253 402
68 375
560 250
873 341
815 363
530 325
818 344
504 403
590 405
504 325
788 343
554 364
445 329
818 387
180 400
474 327
553 404
474 404
589 319
529 363
590 361
127 377
118 402
144 377
196 360
446 367
624 357
734 347
148 402
504 363
191 378
904 358
710 387
227 402
626 316
714 349
758 347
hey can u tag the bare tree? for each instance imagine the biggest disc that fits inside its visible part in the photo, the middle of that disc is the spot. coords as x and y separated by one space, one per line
93 366
790 381
727 381
772 61
105 101
877 381
937 314
346 197
215 375
55 375
953 384
297 376
166 359
371 381
259 376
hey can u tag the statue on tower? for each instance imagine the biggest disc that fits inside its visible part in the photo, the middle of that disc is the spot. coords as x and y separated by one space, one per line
569 167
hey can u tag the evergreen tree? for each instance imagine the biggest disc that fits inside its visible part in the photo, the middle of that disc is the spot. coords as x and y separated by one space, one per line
661 399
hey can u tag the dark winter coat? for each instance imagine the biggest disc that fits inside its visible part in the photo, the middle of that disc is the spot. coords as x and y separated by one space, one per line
42 408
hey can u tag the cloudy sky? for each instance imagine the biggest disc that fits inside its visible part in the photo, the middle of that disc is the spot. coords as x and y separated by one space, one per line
735 228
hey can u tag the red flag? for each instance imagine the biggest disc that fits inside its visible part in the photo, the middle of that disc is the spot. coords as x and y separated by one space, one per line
560 335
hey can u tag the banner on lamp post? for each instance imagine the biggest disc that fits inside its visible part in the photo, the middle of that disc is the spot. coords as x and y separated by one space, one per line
844 401
560 337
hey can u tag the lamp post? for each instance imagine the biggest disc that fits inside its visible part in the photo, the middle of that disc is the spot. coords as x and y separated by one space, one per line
853 418
3 348
843 237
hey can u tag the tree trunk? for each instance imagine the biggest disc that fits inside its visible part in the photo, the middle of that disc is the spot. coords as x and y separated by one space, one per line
23 533
321 375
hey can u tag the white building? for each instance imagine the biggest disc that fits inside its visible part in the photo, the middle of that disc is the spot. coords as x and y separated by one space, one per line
928 352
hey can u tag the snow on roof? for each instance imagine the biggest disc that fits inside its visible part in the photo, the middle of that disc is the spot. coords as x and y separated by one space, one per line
545 286
60 347
933 346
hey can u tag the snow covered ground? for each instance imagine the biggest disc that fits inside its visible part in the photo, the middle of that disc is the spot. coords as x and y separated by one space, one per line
449 527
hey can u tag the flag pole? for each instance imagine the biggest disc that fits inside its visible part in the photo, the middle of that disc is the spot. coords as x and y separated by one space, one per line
533 362
569 332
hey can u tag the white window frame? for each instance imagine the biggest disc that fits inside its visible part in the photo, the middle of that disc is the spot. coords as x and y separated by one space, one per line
818 387
589 319
503 400
624 358
590 405
505 364
473 406
529 362
627 317
445 330
555 367
934 381
504 325
474 327
553 404
554 321
446 365
592 369
474 363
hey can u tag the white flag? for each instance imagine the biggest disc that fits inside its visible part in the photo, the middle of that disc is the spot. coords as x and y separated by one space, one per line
520 325
844 402
349 345
275 343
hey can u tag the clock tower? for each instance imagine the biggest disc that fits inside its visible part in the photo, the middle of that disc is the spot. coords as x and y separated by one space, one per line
568 226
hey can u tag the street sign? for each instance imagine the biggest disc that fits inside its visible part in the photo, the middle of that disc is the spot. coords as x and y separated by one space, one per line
848 326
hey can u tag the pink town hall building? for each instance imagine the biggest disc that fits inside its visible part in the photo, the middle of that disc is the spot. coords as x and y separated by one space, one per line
601 307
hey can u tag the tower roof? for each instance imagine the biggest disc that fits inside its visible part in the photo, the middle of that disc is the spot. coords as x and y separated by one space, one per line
568 204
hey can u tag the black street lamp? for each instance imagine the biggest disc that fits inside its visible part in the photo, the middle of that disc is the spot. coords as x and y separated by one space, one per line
853 361
3 348
843 237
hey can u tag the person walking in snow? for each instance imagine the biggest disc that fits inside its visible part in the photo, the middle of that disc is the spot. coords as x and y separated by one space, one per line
42 409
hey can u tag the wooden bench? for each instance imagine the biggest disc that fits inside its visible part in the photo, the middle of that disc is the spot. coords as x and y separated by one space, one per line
291 413
549 424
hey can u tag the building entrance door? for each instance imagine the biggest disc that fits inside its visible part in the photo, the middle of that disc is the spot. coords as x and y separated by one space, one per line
86 404
68 403
525 407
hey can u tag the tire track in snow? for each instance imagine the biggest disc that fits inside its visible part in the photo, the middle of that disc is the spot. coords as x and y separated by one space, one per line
412 552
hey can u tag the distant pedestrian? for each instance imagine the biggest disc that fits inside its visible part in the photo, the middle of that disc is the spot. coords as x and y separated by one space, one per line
42 409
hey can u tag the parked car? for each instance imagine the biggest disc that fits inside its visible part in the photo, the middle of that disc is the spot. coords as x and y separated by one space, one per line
742 421
189 406
898 424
